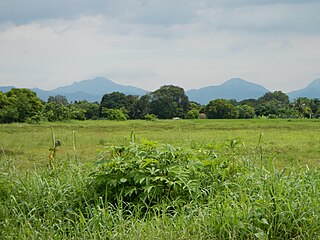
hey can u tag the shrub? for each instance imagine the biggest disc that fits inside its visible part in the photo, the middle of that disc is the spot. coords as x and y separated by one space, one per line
150 117
193 114
145 173
151 174
113 114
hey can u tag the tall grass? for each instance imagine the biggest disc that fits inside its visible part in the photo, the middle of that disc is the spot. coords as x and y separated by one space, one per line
235 193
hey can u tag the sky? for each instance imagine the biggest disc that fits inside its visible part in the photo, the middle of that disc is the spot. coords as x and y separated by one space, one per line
150 43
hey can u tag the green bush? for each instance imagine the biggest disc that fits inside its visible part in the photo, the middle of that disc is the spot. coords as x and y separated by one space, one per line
113 114
150 117
193 114
145 173
152 174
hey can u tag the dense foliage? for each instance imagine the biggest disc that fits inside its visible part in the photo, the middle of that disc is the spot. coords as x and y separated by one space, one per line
169 101
19 105
22 105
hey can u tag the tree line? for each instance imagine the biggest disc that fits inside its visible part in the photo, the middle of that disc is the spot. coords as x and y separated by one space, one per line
167 102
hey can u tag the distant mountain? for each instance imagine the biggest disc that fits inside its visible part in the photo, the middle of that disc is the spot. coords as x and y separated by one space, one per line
311 91
99 86
234 88
76 96
6 88
90 90
94 89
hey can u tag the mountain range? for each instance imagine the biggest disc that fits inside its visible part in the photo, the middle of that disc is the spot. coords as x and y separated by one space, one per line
235 88
91 90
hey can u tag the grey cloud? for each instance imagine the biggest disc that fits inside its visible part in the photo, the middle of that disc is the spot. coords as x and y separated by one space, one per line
143 11
282 17
160 18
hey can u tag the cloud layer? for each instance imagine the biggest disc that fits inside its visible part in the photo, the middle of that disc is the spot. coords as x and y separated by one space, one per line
148 43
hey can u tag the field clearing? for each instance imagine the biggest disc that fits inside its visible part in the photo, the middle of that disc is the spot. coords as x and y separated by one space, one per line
287 142
219 179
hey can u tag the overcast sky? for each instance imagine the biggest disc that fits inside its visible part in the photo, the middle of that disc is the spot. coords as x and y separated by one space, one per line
150 43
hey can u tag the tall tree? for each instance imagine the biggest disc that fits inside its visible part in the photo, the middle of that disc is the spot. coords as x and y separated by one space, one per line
169 101
277 96
117 100
273 103
143 106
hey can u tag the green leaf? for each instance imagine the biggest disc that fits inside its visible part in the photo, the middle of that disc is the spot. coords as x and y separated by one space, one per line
123 180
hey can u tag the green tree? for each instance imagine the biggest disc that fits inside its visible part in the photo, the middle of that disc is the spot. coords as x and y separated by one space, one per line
193 114
250 102
3 100
90 109
58 99
113 114
303 106
76 112
8 110
195 105
56 112
169 101
143 106
273 103
315 107
221 109
117 100
246 111
19 104
9 114
277 96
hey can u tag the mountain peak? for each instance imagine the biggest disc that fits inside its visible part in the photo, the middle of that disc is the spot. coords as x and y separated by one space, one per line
238 84
234 81
96 80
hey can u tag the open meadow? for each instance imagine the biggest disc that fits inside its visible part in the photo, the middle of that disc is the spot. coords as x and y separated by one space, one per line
287 142
184 179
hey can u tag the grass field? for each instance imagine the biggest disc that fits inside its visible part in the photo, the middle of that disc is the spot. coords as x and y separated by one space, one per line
286 141
204 179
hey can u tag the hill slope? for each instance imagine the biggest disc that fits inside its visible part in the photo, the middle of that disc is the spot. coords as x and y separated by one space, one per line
234 88
99 86
90 90
310 91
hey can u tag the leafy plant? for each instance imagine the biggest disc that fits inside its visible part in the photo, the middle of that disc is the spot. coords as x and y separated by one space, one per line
150 173
146 172
150 117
